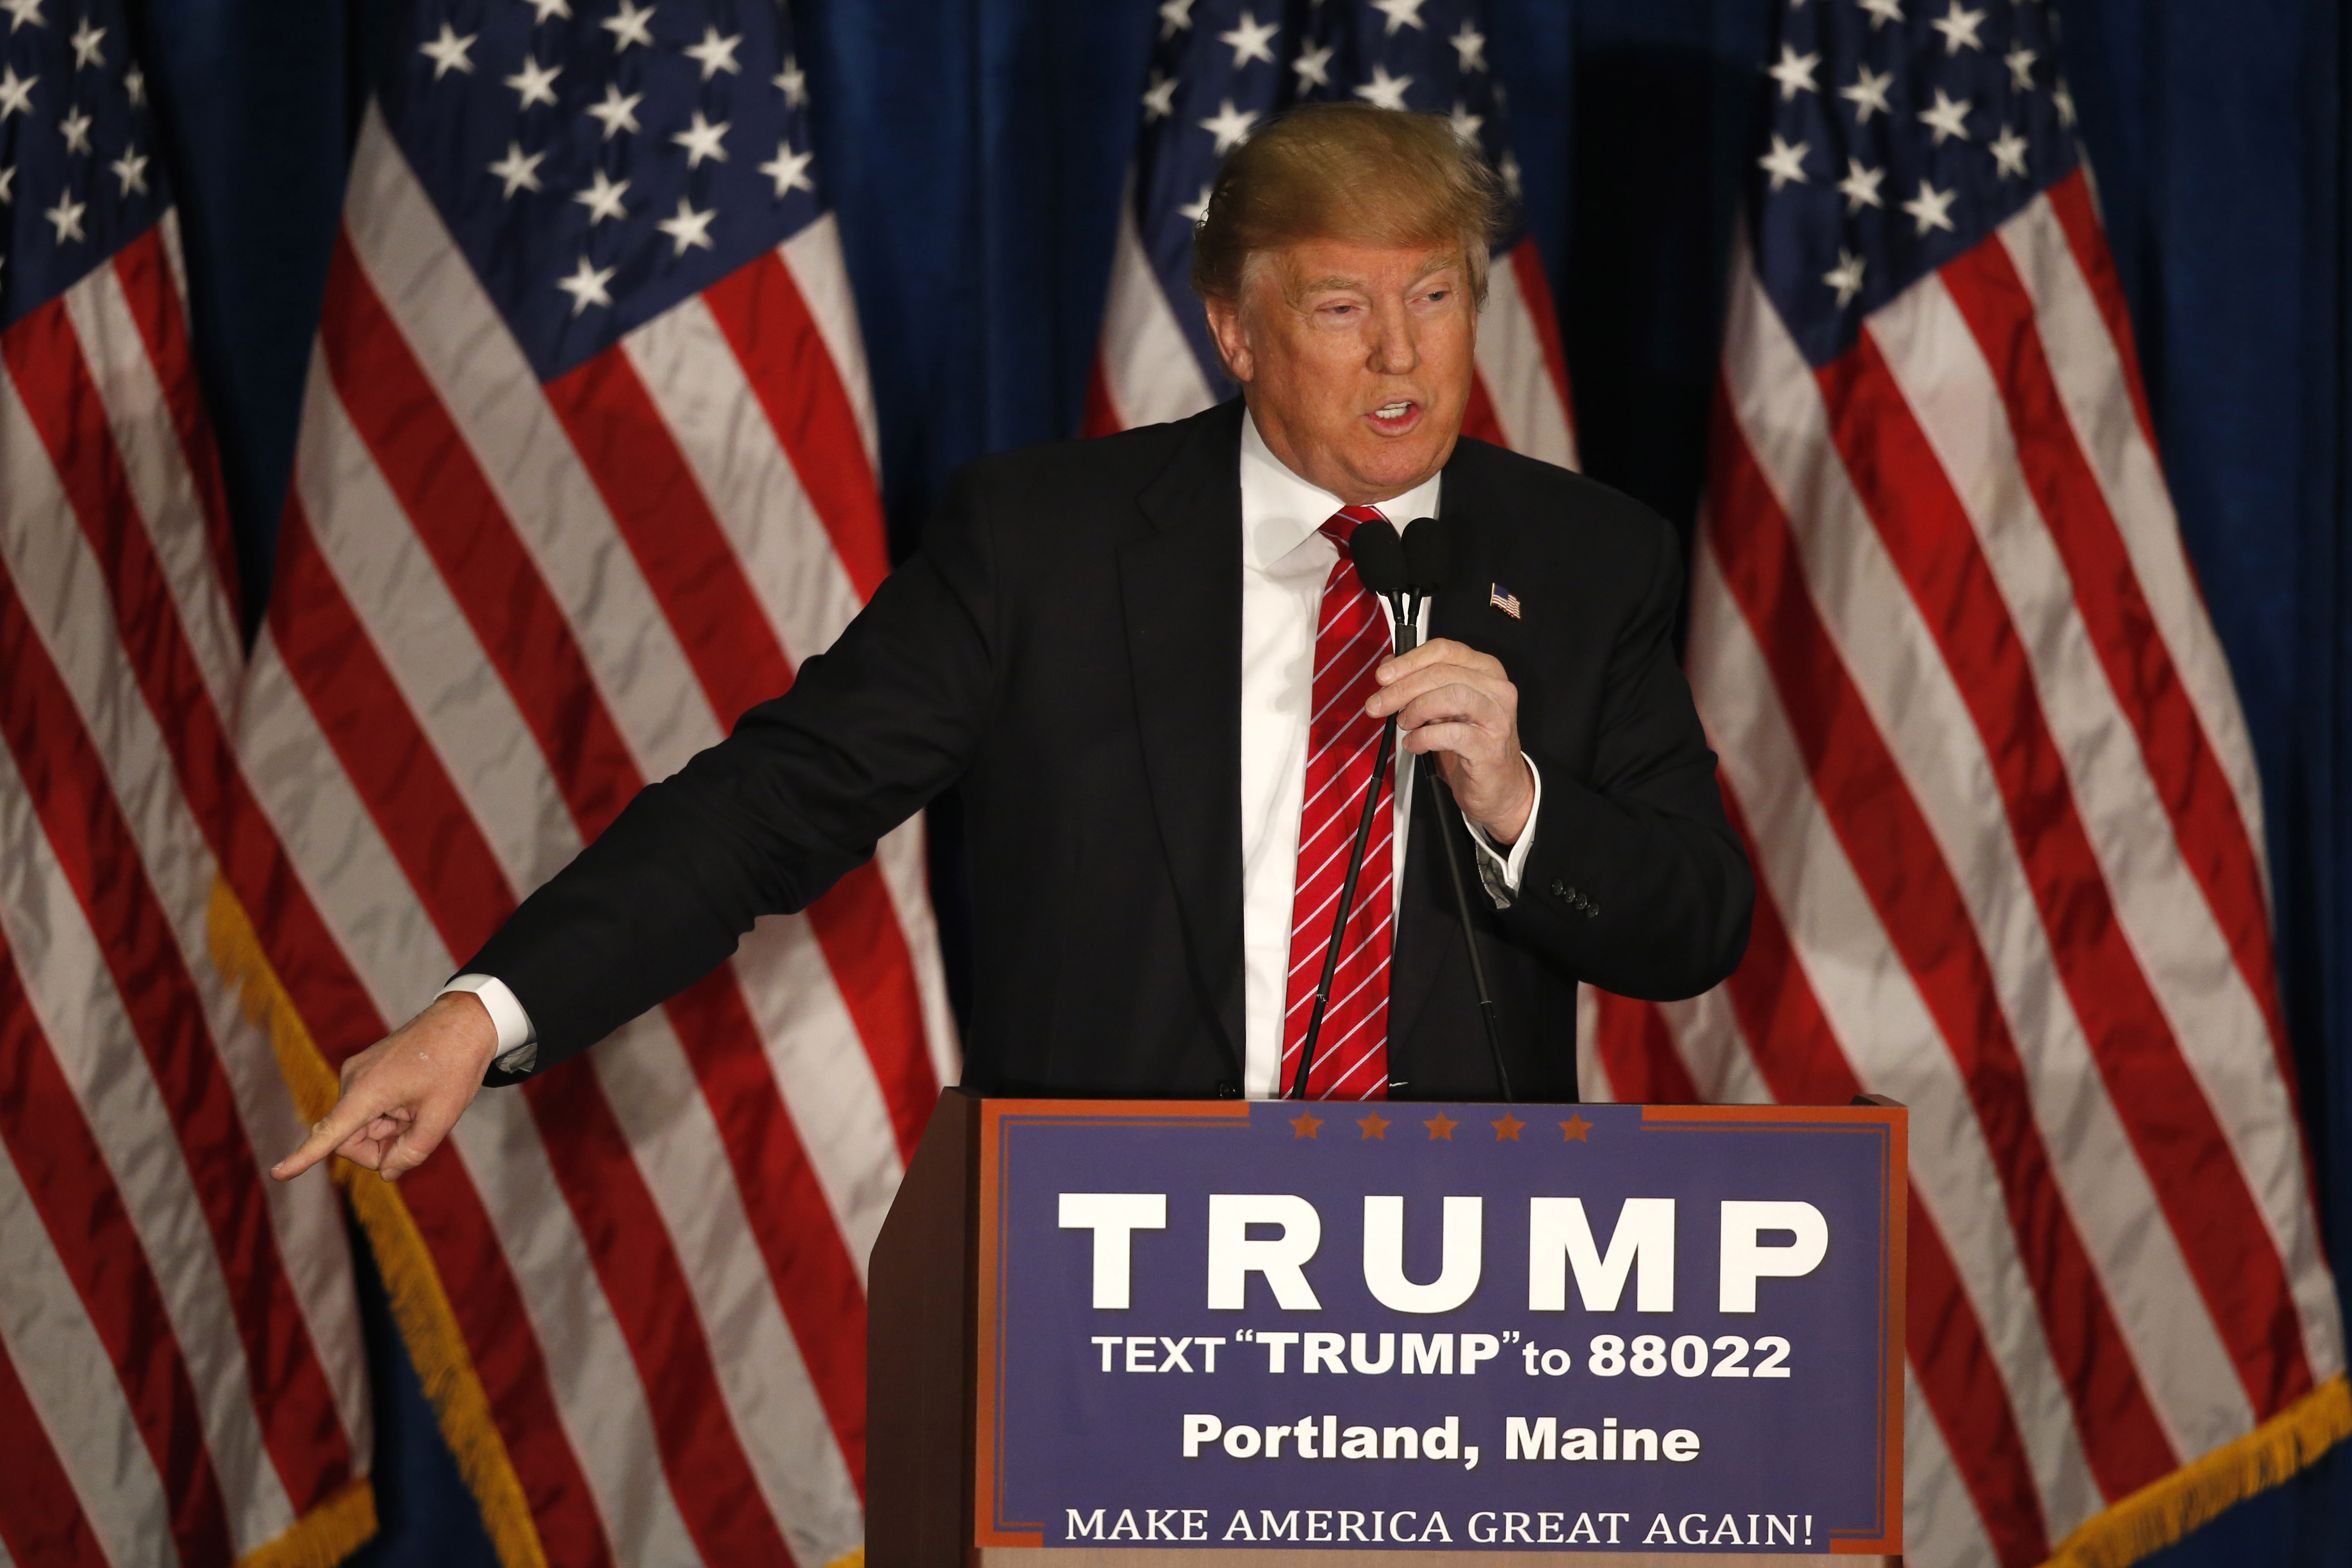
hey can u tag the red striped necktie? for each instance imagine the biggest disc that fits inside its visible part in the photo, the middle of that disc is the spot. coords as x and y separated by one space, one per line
1351 1052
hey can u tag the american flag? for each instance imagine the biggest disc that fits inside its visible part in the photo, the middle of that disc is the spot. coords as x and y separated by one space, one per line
1983 740
182 1376
587 467
1219 71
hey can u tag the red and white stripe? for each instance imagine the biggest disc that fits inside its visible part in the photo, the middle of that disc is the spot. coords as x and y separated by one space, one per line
1345 744
1519 397
1145 371
182 1374
1981 740
501 609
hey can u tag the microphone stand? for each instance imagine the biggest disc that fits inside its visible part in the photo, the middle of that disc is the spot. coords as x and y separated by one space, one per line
1469 934
1408 638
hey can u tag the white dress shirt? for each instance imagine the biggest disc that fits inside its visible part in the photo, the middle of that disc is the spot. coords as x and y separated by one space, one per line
1284 561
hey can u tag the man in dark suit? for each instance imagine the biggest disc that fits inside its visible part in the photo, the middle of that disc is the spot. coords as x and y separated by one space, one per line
1147 665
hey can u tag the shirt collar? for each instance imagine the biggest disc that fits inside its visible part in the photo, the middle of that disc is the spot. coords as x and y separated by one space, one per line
1281 511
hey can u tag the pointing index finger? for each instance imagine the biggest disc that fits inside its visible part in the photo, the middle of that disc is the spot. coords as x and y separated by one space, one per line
328 1133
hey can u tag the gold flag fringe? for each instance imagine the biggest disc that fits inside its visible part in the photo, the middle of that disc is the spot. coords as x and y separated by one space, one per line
2164 1510
324 1537
427 1323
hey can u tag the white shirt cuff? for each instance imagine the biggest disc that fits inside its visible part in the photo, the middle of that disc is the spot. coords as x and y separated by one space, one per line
517 1041
1500 869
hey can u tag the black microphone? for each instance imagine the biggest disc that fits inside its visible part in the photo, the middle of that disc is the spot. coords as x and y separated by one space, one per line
1380 559
1428 558
1428 555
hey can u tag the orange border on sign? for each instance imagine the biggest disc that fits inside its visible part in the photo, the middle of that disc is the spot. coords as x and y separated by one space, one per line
1893 1252
989 1527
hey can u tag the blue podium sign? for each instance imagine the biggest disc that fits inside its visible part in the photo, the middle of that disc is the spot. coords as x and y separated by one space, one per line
1413 1326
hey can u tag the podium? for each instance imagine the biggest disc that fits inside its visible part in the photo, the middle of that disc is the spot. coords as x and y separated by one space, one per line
1172 1335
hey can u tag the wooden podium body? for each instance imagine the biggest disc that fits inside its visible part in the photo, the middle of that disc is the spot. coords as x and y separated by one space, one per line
946 1302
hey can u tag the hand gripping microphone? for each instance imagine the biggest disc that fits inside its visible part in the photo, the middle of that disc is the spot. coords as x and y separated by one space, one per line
1428 559
1380 560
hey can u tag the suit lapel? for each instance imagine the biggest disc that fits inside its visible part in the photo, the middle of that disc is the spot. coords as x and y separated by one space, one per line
1181 589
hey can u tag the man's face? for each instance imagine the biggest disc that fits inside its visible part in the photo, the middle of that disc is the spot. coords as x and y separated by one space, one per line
1355 361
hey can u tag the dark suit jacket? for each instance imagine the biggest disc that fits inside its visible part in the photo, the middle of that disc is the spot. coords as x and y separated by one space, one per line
1067 643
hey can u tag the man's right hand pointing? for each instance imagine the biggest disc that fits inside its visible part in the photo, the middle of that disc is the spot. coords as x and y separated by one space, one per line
402 1094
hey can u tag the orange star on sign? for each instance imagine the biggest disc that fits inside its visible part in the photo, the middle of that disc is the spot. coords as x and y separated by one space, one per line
1441 1126
1375 1126
1305 1125
1573 1129
1507 1128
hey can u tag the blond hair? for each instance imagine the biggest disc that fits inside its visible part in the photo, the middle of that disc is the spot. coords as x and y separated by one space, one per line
1348 171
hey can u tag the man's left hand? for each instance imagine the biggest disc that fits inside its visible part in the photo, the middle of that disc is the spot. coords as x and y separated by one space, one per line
1456 703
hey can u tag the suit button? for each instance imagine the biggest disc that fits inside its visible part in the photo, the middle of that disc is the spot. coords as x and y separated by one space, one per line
1226 1091
1591 911
1562 891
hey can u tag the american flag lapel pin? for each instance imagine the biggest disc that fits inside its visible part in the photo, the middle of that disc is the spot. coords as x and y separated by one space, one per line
1503 600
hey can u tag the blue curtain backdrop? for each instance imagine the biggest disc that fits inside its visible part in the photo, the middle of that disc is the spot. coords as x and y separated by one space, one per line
975 147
